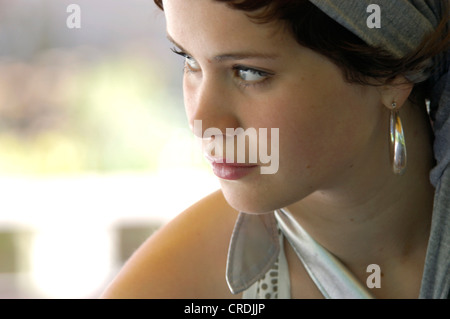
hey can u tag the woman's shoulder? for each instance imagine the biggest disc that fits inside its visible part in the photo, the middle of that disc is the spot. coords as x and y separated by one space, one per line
184 259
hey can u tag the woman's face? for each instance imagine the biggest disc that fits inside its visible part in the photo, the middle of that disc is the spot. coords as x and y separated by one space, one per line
242 74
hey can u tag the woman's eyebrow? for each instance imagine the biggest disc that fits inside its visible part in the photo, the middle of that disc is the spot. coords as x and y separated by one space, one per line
175 43
244 55
232 56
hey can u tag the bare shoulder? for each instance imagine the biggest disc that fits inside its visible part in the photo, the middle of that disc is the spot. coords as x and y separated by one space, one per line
184 259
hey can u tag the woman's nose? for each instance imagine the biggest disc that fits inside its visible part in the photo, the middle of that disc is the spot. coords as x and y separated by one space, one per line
212 104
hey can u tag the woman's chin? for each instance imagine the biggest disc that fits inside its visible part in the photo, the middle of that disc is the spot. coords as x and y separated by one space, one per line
249 203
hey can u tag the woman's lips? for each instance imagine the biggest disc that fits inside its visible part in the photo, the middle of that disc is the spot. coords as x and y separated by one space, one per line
230 171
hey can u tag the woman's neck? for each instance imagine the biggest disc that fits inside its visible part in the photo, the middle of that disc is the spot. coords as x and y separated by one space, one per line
374 216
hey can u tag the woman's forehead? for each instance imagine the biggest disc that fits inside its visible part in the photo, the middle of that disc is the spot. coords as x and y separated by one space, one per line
212 26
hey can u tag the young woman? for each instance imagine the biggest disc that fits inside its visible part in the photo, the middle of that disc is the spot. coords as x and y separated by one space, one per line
350 211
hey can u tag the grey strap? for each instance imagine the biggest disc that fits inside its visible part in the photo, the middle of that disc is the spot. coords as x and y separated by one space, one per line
254 248
332 278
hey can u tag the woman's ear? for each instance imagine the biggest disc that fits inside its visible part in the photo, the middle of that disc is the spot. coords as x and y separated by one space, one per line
396 91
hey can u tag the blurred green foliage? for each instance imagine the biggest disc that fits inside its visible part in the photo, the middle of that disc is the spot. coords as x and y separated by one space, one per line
69 112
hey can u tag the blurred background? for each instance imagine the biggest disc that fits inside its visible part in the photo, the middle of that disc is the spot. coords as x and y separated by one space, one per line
95 150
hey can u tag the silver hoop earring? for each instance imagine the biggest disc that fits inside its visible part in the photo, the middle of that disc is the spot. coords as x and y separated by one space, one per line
398 146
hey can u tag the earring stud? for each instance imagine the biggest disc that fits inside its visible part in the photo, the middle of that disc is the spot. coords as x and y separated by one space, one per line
397 142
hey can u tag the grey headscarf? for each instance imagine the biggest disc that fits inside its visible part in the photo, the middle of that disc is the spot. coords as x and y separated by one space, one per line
404 24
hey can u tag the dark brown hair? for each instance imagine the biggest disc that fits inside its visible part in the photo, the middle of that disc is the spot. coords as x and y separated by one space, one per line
360 62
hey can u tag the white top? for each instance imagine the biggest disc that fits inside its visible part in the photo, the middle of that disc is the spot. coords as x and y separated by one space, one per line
275 284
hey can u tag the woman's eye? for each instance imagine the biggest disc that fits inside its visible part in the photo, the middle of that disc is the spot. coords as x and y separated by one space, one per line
251 76
247 76
191 64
